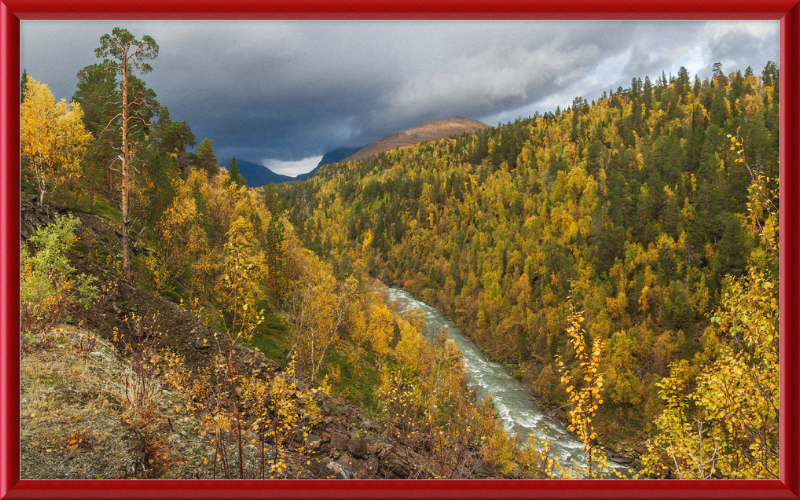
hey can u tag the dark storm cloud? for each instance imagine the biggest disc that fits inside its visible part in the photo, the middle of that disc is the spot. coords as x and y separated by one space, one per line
287 91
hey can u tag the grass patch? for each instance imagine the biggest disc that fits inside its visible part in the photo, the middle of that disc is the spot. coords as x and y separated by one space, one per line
79 420
273 337
28 188
103 209
354 379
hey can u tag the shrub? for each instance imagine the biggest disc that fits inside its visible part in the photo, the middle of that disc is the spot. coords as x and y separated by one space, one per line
48 287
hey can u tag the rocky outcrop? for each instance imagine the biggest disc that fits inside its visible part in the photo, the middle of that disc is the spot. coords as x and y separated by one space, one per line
32 216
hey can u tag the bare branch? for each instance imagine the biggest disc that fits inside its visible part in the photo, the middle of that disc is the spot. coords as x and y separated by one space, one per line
110 122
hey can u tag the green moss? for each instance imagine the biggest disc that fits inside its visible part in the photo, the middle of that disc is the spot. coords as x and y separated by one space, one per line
80 247
359 384
274 338
106 211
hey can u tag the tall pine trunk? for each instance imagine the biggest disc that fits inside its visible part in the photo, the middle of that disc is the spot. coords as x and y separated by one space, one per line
126 259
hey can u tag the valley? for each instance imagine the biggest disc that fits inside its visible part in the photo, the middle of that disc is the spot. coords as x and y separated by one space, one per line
589 292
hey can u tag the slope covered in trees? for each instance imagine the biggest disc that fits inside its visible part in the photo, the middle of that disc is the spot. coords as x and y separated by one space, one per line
636 203
623 253
159 219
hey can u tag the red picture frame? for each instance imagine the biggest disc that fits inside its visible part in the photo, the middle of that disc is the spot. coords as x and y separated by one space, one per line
12 11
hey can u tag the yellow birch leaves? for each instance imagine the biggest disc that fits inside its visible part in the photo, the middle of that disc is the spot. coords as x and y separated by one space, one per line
380 332
585 400
53 139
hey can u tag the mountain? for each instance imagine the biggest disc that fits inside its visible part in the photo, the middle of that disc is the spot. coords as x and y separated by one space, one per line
429 131
334 156
258 175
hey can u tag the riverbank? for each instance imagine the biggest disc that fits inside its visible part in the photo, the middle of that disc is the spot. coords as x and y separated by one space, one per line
515 398
515 401
554 412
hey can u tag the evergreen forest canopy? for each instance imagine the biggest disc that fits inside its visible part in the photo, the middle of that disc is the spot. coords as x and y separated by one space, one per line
633 239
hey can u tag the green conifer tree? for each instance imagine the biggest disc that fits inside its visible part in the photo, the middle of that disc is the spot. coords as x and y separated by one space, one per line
205 157
235 175
23 86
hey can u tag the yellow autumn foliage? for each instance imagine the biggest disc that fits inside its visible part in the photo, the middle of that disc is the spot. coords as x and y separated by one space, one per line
53 139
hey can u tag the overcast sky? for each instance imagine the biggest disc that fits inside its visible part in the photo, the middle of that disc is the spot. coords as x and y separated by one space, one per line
284 93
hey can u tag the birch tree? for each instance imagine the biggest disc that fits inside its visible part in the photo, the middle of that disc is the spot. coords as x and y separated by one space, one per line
318 307
53 139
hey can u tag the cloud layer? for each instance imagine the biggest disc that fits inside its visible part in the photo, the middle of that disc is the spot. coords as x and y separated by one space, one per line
288 91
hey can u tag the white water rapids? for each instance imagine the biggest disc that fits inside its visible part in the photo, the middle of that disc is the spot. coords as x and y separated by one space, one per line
519 413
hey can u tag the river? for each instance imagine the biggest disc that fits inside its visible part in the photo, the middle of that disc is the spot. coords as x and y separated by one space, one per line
520 414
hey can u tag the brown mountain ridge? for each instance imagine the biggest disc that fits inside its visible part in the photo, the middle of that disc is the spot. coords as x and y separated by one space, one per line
429 131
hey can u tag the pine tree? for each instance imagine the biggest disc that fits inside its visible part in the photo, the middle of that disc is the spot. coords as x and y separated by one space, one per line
276 257
23 86
206 160
234 169
95 85
127 55
235 175
175 137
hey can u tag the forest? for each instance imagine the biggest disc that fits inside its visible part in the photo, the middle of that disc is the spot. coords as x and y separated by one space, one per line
622 254
653 206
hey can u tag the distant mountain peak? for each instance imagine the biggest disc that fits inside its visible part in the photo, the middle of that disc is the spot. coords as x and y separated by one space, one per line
428 131
334 156
257 174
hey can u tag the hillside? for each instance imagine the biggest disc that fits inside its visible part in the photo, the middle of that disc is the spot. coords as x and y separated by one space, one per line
646 206
336 155
429 131
102 396
617 261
